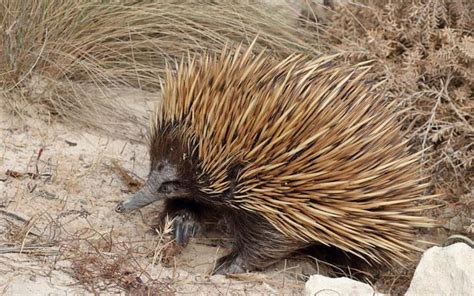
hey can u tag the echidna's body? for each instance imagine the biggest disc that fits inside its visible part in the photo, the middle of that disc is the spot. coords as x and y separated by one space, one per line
292 153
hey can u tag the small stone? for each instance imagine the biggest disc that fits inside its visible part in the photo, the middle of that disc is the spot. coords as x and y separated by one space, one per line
444 271
324 286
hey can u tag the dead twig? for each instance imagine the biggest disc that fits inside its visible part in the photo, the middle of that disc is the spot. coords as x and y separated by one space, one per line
45 250
16 174
14 216
132 183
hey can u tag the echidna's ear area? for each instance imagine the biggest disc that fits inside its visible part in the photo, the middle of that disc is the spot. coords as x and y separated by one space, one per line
321 154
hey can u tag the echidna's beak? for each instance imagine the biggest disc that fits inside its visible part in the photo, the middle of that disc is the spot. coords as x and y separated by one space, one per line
150 192
141 198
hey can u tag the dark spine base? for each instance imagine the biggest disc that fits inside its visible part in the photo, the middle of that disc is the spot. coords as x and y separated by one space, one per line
341 263
256 244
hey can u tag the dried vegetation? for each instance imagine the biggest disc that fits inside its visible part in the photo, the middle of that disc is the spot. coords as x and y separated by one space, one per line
424 49
53 51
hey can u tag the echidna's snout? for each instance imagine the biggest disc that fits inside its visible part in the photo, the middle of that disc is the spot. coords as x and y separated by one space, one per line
140 199
162 183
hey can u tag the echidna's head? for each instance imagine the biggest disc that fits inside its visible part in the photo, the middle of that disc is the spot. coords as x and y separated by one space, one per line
171 174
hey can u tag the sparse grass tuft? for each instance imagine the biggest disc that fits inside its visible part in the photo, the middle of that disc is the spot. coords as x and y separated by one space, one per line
65 56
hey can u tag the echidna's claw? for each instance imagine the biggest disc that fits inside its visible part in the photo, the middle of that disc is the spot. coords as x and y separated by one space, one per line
185 226
231 263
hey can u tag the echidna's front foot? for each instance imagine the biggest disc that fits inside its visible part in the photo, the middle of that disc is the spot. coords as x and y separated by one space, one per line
229 264
185 226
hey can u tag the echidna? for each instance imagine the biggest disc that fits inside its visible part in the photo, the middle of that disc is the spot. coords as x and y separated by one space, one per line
293 154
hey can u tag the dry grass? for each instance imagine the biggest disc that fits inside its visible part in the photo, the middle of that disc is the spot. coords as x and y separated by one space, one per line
98 261
53 51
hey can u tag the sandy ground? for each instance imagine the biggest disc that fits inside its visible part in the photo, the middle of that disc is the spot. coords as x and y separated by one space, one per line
60 234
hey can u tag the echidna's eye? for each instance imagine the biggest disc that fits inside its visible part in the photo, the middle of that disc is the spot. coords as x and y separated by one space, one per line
168 187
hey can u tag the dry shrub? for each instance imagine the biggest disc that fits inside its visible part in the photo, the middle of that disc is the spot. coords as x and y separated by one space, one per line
53 52
105 261
425 51
102 262
101 272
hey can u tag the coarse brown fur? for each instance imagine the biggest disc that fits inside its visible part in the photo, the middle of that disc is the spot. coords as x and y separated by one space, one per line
292 154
